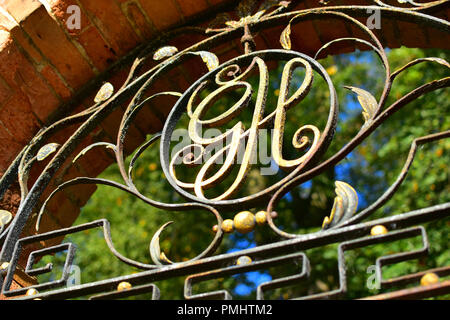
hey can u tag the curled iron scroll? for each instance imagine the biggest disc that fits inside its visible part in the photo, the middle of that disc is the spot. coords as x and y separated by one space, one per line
319 143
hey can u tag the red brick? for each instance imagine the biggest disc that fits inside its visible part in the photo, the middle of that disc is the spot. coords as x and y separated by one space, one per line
27 45
9 148
14 286
52 42
68 171
48 223
147 121
47 71
7 22
390 33
21 10
93 162
41 99
11 200
19 119
56 82
96 48
138 20
162 13
408 28
215 2
436 39
62 209
5 39
192 7
59 9
186 40
80 195
5 91
112 23
111 125
118 79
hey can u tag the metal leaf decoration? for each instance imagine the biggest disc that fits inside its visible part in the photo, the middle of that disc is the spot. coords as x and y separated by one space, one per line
165 52
344 206
157 256
88 148
5 217
105 92
233 24
46 150
285 38
210 59
257 16
438 60
367 101
419 60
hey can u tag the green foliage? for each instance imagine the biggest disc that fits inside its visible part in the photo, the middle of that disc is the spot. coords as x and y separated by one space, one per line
370 169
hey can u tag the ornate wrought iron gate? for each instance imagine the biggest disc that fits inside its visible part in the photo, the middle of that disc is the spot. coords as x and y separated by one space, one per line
345 226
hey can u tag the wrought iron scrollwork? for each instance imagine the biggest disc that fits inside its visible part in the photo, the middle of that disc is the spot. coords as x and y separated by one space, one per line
343 223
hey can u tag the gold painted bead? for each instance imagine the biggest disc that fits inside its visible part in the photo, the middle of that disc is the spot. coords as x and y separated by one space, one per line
32 292
378 230
124 286
4 266
228 226
215 228
260 218
244 222
244 260
429 278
